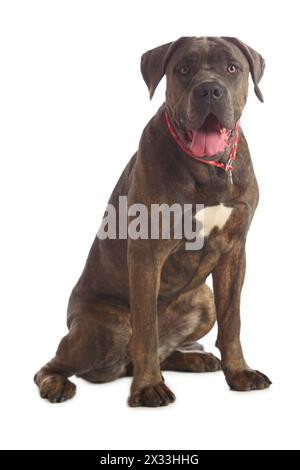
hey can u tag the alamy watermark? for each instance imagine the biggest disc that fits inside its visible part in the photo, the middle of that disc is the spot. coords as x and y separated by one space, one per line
160 221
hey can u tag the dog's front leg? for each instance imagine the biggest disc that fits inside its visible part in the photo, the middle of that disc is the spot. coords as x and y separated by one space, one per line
228 278
148 387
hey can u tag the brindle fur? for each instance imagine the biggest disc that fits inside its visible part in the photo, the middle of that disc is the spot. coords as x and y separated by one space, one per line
141 305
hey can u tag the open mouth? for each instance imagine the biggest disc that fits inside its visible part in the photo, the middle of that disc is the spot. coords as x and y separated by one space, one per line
210 139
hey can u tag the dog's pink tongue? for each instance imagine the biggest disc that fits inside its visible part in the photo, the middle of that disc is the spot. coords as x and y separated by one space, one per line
207 143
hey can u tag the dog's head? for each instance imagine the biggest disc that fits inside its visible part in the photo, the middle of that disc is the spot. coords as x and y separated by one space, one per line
207 87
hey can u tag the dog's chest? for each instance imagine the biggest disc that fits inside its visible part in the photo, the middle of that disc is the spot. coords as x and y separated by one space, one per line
183 265
211 217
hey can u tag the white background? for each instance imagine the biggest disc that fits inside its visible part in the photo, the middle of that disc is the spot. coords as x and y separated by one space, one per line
73 105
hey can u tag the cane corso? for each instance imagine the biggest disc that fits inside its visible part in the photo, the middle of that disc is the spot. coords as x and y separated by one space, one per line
142 303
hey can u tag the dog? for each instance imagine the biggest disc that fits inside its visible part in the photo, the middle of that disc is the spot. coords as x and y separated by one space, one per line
142 303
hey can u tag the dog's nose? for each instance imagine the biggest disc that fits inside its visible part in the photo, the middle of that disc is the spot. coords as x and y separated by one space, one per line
209 90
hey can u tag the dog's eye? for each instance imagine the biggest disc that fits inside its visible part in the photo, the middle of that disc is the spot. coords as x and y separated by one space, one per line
184 70
232 68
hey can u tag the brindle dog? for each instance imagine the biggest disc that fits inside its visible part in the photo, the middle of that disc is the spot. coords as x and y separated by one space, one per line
141 305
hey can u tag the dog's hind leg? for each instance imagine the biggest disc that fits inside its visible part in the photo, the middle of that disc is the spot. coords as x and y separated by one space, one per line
190 318
180 325
96 348
188 360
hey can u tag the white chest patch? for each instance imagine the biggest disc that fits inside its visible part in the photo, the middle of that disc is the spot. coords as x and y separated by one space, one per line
213 216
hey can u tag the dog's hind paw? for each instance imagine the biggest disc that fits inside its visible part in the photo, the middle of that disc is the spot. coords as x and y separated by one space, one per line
56 388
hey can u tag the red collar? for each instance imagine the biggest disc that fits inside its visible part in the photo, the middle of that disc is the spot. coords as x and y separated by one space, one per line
232 155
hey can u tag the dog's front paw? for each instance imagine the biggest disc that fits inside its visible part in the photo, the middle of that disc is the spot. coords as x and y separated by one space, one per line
152 396
246 380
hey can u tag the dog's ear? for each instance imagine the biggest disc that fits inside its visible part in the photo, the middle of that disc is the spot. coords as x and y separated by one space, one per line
255 61
154 63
